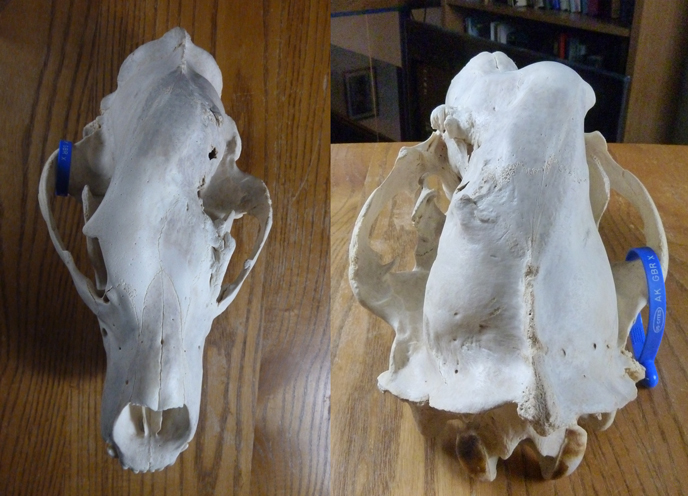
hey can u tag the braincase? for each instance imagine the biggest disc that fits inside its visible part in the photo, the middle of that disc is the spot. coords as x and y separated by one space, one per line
491 81
175 44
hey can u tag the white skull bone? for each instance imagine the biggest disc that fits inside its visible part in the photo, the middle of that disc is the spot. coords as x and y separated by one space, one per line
160 188
513 322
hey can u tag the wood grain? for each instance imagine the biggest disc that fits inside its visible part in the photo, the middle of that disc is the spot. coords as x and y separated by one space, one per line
656 57
376 448
264 425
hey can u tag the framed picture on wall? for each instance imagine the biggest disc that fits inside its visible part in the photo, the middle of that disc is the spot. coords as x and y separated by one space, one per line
361 93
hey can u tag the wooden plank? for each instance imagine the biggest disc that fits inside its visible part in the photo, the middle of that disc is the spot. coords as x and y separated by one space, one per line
655 63
292 436
56 68
376 448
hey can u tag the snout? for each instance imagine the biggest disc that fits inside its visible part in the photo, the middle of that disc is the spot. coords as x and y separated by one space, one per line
151 400
147 440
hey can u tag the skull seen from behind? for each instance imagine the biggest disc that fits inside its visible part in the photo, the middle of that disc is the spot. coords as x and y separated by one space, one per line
512 325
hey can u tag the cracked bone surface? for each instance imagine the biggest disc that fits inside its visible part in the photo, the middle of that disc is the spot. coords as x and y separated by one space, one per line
157 175
512 325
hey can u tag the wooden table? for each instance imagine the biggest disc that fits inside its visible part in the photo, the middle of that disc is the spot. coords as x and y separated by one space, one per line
376 448
264 418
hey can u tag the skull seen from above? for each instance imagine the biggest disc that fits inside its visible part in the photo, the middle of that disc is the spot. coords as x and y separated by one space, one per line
512 325
157 175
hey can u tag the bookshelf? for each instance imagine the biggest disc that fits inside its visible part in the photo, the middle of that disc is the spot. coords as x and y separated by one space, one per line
433 56
650 51
356 7
556 17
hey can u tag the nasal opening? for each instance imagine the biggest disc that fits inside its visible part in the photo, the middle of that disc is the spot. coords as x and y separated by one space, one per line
149 440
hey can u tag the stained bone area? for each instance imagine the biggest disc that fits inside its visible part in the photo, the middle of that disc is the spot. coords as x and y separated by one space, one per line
149 440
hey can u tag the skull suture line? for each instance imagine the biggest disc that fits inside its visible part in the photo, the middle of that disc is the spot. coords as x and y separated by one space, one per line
157 175
513 323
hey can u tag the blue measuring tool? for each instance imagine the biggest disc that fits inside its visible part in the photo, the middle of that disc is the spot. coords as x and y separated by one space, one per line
64 163
646 345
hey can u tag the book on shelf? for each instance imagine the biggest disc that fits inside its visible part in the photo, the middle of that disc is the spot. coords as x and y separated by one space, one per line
576 50
565 45
493 30
478 27
561 45
621 10
499 31
503 32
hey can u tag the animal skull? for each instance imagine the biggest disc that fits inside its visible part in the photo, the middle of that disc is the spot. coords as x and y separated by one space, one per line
157 175
512 324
